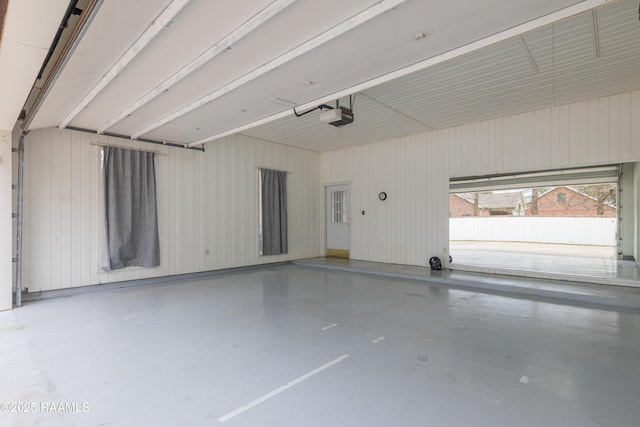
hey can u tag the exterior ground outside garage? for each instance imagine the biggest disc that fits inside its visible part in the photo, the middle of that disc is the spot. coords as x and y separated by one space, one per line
587 251
578 263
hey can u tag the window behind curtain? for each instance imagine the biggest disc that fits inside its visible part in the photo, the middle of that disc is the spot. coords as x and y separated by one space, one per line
130 215
272 188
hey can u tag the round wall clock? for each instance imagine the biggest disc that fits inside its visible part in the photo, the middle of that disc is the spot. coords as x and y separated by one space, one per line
382 196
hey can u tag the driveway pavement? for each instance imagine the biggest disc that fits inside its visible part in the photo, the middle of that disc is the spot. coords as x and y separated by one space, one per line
535 248
540 260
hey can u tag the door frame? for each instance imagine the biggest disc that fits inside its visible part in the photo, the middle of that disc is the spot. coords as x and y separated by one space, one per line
326 208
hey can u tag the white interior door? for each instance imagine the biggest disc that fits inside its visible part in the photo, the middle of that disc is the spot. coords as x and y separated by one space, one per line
338 220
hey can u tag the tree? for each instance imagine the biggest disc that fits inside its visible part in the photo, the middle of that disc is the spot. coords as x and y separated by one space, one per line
534 201
603 193
607 191
476 203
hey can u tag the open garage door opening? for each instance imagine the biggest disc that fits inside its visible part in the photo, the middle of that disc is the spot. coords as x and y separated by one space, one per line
546 224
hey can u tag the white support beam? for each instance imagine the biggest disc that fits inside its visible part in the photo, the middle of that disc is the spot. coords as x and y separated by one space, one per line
516 31
256 21
356 20
147 36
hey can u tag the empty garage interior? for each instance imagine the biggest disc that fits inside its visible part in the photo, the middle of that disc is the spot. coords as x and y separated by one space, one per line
174 173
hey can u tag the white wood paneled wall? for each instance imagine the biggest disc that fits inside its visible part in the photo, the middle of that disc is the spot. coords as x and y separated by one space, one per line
208 201
594 132
207 204
415 170
412 224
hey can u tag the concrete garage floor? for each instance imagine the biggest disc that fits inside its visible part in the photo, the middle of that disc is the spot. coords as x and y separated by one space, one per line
295 346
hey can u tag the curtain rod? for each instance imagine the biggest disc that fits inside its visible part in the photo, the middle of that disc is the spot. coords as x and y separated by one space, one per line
150 141
101 144
277 170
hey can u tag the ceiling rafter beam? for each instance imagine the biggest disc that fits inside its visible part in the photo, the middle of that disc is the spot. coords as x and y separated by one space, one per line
145 38
356 20
246 28
443 57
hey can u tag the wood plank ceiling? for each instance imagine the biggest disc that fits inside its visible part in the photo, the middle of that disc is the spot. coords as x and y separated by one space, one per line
191 71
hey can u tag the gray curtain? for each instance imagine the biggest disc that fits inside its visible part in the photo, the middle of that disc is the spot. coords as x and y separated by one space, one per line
274 212
131 217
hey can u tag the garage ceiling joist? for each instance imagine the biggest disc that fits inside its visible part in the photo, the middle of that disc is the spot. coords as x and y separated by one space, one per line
351 23
175 84
243 30
405 71
147 36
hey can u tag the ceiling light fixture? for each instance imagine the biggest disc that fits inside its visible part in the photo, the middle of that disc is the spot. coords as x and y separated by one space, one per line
246 28
446 56
351 23
149 34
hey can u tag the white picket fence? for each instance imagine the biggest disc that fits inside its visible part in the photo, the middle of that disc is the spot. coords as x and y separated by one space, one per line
560 230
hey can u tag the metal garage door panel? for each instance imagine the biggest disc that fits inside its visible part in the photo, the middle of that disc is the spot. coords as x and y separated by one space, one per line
581 176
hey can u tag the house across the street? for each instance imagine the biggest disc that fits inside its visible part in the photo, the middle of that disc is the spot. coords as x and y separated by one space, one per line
569 201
